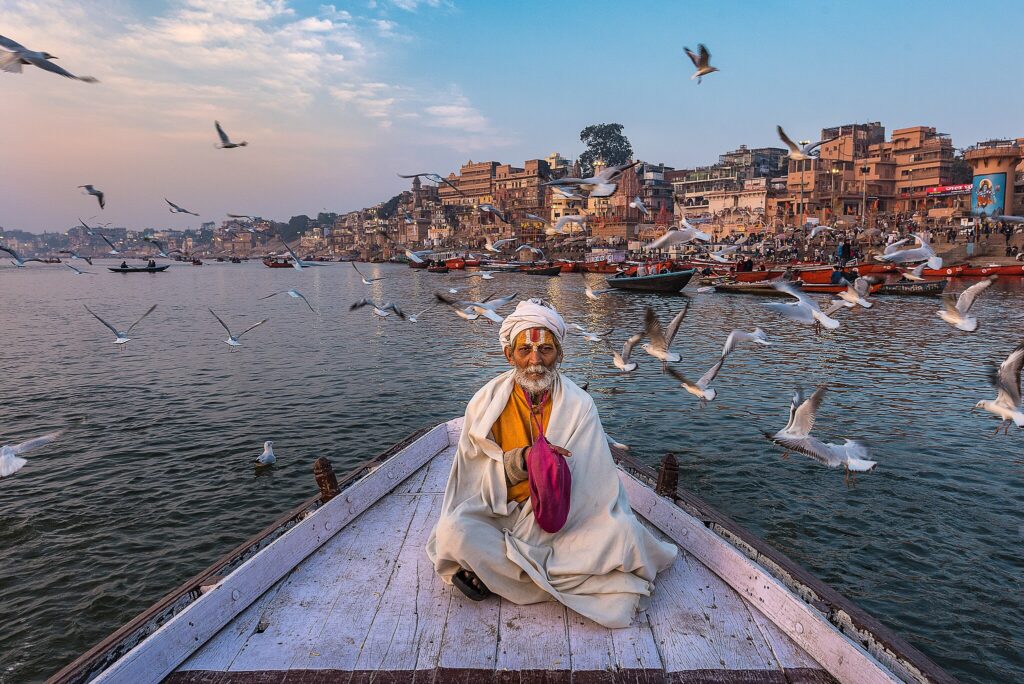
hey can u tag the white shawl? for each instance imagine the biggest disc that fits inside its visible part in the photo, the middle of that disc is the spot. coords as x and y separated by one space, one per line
599 564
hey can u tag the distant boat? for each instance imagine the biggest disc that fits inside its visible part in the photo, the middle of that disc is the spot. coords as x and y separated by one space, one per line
277 262
992 269
437 268
541 270
139 269
673 281
919 287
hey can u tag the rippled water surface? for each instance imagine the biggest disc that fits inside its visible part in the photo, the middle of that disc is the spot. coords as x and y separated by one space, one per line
154 479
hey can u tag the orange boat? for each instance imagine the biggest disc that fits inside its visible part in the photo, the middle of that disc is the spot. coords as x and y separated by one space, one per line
277 262
471 263
568 266
753 276
868 269
947 272
455 264
993 269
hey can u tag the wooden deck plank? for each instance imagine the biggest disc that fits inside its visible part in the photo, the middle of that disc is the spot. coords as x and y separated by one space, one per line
590 644
634 646
406 630
786 652
845 660
533 637
359 575
470 639
437 472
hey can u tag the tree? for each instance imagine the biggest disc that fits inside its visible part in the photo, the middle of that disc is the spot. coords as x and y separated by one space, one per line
961 172
604 142
296 226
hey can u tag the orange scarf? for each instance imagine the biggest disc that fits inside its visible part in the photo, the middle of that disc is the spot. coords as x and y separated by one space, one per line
513 430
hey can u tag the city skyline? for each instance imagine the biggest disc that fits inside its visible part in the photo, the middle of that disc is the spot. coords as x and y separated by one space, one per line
335 100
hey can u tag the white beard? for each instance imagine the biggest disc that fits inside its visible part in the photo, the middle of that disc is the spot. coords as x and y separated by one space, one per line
535 385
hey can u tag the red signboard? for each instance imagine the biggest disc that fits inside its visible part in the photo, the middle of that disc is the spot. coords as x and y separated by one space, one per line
949 189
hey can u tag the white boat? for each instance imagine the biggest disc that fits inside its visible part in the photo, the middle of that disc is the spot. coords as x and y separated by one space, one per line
340 589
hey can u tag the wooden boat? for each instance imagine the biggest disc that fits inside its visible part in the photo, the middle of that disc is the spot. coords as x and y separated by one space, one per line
568 266
437 268
541 270
277 262
870 269
820 275
599 266
673 281
455 263
914 287
472 262
816 288
423 263
197 261
139 269
340 589
763 289
946 272
754 276
992 269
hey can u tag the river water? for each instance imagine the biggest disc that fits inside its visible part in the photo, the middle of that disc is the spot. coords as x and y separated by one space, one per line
154 479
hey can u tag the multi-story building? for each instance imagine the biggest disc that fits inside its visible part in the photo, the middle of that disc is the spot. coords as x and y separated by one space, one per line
475 182
691 187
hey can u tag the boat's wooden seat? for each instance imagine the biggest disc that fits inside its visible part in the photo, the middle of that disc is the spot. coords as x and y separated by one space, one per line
367 606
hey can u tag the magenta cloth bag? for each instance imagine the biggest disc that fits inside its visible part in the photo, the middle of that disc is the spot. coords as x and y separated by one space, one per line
550 479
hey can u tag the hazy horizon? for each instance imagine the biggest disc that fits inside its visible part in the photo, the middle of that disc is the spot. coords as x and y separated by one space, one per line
334 100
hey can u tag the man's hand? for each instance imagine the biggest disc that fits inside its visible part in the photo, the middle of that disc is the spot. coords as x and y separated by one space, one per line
565 453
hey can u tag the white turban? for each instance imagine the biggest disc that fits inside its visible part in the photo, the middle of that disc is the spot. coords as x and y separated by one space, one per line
532 313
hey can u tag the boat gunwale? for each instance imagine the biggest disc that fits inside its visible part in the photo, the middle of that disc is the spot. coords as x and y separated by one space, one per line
844 614
113 647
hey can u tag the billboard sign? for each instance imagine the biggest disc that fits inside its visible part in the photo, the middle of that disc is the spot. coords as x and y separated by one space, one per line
988 194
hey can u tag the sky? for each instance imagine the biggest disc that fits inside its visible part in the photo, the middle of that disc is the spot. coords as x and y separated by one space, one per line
334 100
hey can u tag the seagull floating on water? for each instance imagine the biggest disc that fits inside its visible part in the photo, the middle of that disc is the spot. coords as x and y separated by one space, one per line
98 194
14 54
225 142
701 61
1007 383
858 292
18 260
852 455
957 313
267 458
10 454
232 340
661 339
121 338
175 209
293 293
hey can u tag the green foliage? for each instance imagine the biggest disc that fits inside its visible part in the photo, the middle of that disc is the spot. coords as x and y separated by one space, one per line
391 206
604 142
962 173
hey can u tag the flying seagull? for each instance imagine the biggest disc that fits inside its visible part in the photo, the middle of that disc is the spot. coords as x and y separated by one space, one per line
661 339
638 203
435 178
1007 382
701 62
175 209
535 250
15 54
225 142
293 293
622 361
567 194
382 311
678 236
413 257
113 249
121 338
232 340
858 292
602 184
491 209
366 281
923 252
700 388
591 336
76 255
242 216
78 271
161 247
470 310
803 310
18 261
797 153
818 230
736 337
534 217
594 294
483 275
297 263
917 274
497 244
796 437
267 458
10 454
415 318
957 313
719 255
98 194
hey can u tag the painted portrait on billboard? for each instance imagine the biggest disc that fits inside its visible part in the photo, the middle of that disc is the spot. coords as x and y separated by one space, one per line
988 194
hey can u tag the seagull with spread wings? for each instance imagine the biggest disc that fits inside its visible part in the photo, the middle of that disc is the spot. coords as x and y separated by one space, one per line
622 361
1006 379
76 255
232 340
803 310
957 312
851 455
701 61
383 310
660 339
491 209
78 271
699 389
297 263
496 245
121 337
161 247
10 454
225 142
113 250
736 337
435 178
18 260
796 152
638 204
366 281
294 294
98 194
601 184
175 209
678 236
13 54
470 310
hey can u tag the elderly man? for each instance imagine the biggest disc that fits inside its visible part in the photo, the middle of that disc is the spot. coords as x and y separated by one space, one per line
602 560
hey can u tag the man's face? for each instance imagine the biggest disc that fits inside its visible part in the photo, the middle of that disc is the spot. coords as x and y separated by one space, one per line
534 356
